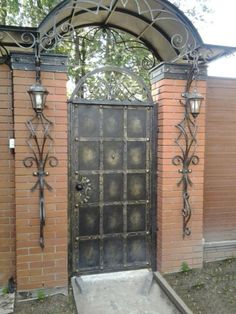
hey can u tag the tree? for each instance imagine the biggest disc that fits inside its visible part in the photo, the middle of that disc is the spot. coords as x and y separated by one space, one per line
33 11
106 46
9 10
25 12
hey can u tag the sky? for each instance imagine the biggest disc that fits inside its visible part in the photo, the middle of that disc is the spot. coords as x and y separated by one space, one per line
221 30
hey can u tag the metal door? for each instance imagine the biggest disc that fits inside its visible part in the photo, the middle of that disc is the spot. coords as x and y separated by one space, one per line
111 166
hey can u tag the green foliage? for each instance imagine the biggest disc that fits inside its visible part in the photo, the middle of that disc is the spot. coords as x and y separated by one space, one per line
93 46
41 295
5 290
185 267
25 12
33 11
9 12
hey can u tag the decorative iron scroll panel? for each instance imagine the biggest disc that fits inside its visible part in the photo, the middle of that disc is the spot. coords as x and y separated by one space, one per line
111 186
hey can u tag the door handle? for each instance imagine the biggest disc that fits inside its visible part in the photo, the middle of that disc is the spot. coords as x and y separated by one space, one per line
79 186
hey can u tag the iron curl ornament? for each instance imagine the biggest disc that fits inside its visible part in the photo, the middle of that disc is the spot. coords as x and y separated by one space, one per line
40 143
4 54
187 140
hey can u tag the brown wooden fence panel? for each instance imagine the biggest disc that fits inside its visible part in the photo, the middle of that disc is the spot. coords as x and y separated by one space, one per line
220 161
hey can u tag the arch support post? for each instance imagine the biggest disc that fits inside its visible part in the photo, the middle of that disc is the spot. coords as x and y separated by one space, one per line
37 268
168 85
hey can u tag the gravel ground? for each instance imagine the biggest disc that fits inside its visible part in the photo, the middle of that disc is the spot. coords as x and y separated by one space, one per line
210 290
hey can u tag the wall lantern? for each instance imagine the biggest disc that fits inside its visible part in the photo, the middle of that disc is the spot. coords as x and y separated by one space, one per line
38 94
40 144
193 101
187 140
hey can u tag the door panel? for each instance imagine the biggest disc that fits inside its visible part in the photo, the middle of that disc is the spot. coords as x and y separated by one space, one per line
111 161
113 219
89 220
113 155
113 187
136 187
136 218
113 123
88 155
136 155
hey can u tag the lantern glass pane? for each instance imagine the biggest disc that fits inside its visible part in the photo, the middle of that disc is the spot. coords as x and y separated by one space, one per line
38 100
195 105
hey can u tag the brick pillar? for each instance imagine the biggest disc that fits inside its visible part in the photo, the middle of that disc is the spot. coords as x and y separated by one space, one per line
7 199
37 268
169 83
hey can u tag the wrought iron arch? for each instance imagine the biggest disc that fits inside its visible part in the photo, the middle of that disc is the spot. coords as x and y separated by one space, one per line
142 41
111 84
158 23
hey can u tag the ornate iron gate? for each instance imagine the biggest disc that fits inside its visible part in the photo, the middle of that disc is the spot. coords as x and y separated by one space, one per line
111 173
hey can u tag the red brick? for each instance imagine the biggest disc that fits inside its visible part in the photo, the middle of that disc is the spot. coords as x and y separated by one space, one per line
31 274
172 248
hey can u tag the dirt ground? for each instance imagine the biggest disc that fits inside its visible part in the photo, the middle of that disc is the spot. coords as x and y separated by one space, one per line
57 304
211 290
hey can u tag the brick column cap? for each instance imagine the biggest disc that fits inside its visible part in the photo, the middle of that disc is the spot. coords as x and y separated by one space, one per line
49 62
175 71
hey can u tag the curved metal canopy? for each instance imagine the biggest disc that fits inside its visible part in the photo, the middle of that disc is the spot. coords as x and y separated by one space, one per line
161 26
158 24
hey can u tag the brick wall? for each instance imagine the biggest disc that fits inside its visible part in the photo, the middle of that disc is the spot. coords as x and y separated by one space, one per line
172 249
36 268
48 268
7 209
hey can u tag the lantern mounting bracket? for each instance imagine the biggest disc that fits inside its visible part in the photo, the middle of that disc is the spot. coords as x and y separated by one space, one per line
37 61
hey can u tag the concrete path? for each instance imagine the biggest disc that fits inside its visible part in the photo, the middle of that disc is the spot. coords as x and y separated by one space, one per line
7 303
129 292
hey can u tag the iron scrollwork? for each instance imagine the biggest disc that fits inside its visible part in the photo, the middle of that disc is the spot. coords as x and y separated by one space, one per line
111 83
182 41
40 142
4 54
187 143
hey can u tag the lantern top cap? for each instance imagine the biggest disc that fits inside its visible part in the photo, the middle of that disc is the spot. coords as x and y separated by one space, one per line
38 87
193 95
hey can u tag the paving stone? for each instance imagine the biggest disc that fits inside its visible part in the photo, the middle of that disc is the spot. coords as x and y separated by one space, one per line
7 303
132 292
